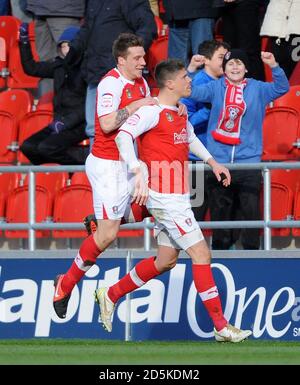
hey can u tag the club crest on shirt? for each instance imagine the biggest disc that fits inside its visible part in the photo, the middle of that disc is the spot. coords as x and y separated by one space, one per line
115 209
188 221
128 93
142 91
169 117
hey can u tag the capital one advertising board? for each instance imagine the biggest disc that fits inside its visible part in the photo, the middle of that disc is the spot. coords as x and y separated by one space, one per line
258 294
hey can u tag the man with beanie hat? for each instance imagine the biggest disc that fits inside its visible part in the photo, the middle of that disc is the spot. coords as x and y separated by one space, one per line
234 135
57 142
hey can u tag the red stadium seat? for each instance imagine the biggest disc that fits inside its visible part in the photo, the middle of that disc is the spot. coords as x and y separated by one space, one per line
296 231
157 52
14 104
17 210
8 137
72 204
31 123
291 99
52 181
289 178
281 130
3 63
80 178
9 30
45 102
8 182
281 206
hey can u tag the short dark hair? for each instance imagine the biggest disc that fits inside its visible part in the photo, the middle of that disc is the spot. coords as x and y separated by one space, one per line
123 42
166 69
208 47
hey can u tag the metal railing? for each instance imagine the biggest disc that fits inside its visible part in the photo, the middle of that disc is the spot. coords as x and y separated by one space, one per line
267 224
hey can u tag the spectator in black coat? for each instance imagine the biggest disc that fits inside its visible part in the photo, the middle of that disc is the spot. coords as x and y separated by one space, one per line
104 21
57 142
51 18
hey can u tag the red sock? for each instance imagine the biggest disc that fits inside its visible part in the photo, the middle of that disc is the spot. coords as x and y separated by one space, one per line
83 261
208 291
137 277
137 213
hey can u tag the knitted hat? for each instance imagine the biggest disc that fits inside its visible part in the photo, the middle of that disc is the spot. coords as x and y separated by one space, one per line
235 54
68 35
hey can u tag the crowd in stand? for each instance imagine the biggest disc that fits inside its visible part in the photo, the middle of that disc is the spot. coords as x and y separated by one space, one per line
74 44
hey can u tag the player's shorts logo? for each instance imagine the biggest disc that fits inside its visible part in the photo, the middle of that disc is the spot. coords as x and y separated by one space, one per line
128 93
188 221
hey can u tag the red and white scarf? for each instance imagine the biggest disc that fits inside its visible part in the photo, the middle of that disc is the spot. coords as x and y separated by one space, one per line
229 124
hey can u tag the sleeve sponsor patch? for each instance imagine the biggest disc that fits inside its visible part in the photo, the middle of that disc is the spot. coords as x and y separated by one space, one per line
133 120
106 100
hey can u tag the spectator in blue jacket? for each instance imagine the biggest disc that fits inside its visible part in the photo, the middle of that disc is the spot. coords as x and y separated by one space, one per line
209 59
234 135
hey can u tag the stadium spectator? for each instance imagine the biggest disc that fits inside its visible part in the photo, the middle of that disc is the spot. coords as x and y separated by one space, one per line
4 7
209 58
57 142
101 27
18 9
154 7
190 23
240 26
282 24
51 18
119 94
166 138
235 136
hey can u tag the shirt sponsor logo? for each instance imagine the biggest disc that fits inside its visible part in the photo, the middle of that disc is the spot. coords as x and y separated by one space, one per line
181 137
106 100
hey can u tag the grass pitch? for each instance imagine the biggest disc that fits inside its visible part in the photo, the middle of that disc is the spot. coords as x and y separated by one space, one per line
103 352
